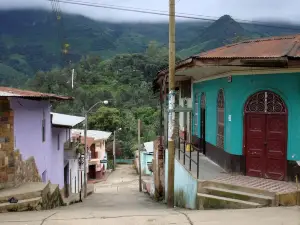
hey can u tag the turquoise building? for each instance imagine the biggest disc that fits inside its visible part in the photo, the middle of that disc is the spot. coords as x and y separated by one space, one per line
246 105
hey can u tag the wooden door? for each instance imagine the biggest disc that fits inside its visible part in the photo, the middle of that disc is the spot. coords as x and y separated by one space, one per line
255 144
266 122
266 141
276 139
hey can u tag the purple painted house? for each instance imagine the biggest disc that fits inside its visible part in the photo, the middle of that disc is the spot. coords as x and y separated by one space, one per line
31 128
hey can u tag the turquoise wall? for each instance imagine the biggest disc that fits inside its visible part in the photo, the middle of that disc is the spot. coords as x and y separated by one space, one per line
144 159
185 185
236 93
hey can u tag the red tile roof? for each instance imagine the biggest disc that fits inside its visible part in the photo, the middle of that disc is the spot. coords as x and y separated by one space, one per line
13 92
273 47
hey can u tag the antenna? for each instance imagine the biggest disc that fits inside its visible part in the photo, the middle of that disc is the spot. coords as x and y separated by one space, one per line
73 71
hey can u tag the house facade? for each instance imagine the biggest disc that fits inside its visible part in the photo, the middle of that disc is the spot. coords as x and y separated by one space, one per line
28 149
96 151
67 171
244 100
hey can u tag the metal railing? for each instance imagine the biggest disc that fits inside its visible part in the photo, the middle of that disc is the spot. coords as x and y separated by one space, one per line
181 145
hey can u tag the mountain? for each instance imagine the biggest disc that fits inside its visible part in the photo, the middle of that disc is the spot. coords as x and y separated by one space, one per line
33 40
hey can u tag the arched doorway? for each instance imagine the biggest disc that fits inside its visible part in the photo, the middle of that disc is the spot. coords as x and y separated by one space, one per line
265 135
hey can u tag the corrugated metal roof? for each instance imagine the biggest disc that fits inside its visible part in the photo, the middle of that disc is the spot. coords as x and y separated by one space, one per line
149 147
96 134
66 120
274 47
13 92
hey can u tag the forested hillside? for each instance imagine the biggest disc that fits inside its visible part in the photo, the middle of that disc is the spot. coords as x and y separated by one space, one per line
115 62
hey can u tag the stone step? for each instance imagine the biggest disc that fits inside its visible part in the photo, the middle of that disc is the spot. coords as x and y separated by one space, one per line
240 195
32 204
206 201
233 187
25 191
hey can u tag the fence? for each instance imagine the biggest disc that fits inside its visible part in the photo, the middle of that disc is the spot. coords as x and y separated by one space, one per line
124 161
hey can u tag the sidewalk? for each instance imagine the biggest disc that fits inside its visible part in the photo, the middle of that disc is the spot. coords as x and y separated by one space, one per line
75 197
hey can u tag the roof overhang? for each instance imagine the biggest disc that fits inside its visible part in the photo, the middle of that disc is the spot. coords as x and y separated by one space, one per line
200 69
64 120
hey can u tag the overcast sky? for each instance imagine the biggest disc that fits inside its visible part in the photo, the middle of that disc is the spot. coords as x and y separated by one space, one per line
239 9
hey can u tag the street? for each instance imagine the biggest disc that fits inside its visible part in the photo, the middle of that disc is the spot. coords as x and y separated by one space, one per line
118 201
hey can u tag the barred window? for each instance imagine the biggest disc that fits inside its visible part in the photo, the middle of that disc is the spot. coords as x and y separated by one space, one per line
220 118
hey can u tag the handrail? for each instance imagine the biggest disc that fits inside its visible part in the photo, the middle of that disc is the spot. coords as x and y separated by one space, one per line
184 142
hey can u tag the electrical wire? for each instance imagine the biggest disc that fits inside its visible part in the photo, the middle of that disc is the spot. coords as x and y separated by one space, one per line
166 13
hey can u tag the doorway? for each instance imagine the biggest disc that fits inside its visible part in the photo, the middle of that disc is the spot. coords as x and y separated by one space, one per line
66 180
265 136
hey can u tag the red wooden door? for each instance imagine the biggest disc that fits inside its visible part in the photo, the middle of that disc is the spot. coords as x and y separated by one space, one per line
255 144
276 138
266 137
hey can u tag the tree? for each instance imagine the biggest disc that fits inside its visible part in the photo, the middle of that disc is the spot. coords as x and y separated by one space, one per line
105 119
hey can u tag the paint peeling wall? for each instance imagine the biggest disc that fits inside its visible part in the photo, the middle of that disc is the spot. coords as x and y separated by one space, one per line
185 186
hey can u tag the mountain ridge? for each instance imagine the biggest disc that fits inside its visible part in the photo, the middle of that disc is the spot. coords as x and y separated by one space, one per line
29 40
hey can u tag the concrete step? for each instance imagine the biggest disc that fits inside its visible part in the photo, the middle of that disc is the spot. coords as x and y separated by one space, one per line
25 191
32 204
233 187
206 201
240 195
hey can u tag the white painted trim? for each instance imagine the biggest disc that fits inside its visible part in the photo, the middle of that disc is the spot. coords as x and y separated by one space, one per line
248 73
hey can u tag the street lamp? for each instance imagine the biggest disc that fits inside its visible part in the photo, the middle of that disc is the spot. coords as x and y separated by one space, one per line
114 147
85 143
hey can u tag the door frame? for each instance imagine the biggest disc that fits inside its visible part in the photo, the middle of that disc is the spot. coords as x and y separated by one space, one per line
286 114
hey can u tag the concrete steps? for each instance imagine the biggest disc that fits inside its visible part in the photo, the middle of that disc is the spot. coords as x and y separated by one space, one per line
214 195
31 196
206 201
32 204
24 191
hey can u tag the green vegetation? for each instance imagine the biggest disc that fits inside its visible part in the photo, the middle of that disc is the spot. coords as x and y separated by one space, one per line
115 62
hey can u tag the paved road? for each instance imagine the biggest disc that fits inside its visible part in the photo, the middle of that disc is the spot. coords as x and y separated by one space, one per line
118 201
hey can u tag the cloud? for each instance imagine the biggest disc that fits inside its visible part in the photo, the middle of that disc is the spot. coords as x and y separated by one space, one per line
239 9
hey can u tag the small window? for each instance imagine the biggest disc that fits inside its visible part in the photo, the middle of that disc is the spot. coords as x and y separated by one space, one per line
43 128
185 89
220 119
58 142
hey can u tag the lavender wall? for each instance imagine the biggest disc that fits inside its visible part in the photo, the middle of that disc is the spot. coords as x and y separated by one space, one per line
28 115
56 173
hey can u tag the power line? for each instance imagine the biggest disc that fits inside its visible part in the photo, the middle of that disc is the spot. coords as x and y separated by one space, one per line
165 13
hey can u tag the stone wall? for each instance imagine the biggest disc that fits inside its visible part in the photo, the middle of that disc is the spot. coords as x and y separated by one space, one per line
7 170
13 170
25 171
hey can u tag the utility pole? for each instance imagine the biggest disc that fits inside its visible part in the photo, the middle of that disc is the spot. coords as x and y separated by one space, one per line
139 148
114 150
171 125
85 154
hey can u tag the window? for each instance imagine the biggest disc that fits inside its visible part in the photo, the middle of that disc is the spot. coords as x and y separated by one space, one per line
220 119
58 142
196 116
185 89
43 127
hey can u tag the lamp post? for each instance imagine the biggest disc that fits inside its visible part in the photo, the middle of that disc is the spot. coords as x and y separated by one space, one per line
85 143
114 148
